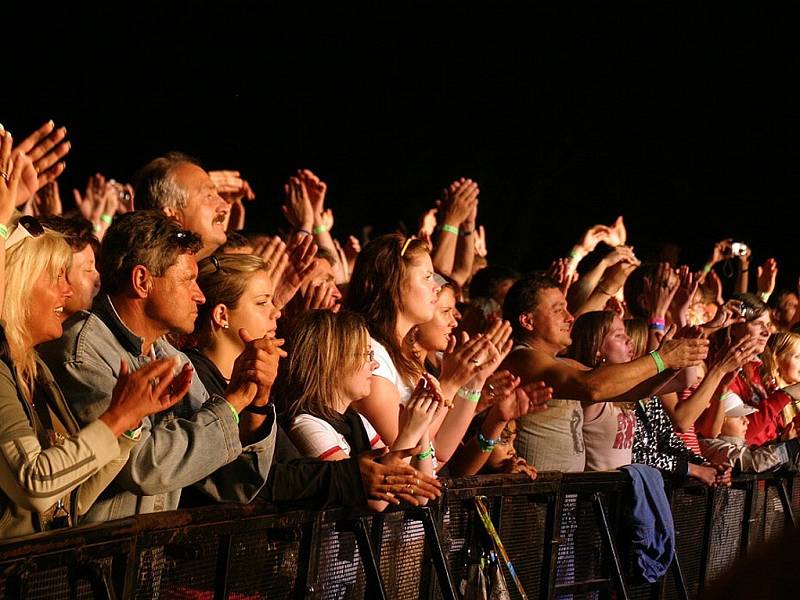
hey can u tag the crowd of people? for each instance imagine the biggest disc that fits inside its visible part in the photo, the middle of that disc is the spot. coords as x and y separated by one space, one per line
160 350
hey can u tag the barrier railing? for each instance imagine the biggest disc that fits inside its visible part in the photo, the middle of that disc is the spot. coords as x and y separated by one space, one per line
565 535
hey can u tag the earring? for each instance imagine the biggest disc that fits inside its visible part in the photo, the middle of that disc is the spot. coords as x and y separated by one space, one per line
225 326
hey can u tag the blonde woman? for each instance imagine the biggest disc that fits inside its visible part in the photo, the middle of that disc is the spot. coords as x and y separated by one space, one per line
239 296
781 366
52 470
330 366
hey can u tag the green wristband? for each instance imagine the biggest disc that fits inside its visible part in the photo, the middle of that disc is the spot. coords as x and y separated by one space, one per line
469 395
449 228
4 231
658 360
319 229
105 219
425 455
233 410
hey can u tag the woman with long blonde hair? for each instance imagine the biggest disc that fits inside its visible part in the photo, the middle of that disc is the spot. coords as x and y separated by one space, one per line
52 470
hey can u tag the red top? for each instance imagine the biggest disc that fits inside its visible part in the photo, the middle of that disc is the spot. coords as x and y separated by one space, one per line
766 424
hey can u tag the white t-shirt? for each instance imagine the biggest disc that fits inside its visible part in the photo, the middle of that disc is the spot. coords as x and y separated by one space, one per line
388 371
316 438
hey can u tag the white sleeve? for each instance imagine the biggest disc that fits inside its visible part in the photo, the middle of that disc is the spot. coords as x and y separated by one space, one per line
374 436
386 368
315 438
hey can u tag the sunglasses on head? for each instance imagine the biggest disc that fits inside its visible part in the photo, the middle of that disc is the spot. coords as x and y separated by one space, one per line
27 227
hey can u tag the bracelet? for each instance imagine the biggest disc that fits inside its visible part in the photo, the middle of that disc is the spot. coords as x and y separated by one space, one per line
105 219
466 232
4 231
133 434
660 366
259 410
745 270
449 228
486 444
657 323
469 395
233 410
319 229
425 455
96 227
707 268
303 231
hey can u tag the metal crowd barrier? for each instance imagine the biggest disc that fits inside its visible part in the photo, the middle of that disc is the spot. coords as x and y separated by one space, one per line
564 533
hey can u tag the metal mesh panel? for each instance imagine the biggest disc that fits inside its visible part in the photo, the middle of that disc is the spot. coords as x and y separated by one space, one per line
522 532
726 532
688 513
148 576
340 574
582 551
455 528
189 568
796 496
402 548
774 518
49 584
261 568
757 516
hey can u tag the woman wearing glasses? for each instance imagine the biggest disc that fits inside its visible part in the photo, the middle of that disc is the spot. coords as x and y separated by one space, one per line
51 470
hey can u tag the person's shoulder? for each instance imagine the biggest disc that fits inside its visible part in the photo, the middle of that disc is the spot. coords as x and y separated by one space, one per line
81 332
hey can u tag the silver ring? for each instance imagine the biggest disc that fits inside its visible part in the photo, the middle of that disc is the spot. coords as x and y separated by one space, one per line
474 361
4 175
153 383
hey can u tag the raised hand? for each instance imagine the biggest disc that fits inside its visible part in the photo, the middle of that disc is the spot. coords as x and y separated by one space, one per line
11 171
47 201
273 252
687 287
681 353
301 252
660 289
592 237
480 242
617 234
231 186
561 273
767 275
737 354
727 314
427 224
460 199
530 398
254 371
147 391
46 147
316 190
419 412
297 206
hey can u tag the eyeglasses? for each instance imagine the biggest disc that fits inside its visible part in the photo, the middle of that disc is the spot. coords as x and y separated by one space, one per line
370 355
27 227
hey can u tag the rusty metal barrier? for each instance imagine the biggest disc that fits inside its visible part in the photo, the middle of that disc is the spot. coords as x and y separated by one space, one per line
564 533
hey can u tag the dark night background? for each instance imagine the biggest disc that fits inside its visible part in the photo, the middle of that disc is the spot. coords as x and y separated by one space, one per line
683 119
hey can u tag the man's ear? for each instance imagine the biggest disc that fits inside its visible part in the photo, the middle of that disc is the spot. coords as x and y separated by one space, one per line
171 213
526 321
141 281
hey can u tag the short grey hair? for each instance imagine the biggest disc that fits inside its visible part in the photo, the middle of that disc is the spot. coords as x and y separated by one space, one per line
155 184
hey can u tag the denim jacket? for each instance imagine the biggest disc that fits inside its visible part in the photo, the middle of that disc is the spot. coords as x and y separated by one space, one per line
195 442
